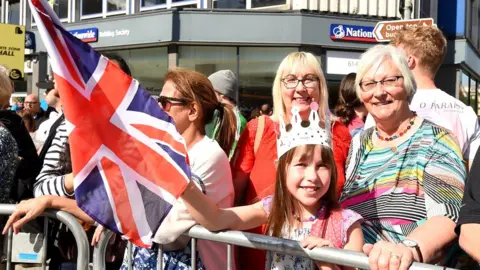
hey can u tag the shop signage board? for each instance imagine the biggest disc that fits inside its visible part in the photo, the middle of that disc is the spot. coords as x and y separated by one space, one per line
12 49
358 33
386 30
86 35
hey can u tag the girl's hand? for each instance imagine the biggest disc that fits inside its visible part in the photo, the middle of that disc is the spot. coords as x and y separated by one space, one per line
388 256
26 211
312 242
97 235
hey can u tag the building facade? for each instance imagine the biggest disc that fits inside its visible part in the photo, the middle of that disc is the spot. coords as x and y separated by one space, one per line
250 37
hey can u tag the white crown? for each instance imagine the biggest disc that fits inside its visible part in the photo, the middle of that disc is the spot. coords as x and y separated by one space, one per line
303 132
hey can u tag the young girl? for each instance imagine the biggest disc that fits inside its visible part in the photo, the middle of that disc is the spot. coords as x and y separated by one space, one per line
304 206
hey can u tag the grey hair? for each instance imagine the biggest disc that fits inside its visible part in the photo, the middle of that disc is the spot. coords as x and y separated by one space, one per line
374 56
5 87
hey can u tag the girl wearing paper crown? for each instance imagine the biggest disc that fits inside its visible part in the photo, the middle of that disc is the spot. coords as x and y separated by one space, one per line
299 81
304 206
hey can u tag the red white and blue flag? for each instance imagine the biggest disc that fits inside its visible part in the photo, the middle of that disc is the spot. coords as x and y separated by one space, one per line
129 162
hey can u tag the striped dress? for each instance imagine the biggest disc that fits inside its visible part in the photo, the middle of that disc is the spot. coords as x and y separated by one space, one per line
397 191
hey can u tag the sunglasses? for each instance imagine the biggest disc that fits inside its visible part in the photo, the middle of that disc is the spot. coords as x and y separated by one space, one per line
168 102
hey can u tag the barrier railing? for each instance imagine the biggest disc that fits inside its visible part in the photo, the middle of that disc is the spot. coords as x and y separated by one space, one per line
64 217
245 239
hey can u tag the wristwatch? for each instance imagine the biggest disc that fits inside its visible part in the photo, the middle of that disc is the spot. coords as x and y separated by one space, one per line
412 244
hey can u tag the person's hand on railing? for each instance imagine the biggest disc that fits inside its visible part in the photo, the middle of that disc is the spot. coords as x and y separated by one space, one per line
388 256
97 235
26 211
311 242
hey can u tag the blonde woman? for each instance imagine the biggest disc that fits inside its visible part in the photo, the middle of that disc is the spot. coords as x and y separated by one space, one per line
299 81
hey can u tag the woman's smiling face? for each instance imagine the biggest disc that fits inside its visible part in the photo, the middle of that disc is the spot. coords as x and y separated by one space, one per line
299 88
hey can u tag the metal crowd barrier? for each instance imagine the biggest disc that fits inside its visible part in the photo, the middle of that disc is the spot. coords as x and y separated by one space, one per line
64 217
245 239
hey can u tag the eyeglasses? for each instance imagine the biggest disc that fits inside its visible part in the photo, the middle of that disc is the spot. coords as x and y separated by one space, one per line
291 82
168 102
367 86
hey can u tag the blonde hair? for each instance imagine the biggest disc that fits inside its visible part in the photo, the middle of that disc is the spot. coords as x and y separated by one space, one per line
294 62
427 43
375 56
5 87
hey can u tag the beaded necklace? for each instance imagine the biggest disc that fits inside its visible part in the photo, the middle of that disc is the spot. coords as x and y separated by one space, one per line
412 122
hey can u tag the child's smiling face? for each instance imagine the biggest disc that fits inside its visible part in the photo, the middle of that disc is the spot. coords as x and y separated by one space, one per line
308 178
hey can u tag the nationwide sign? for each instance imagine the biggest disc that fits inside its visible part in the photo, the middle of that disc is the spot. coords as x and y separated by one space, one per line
386 30
352 33
86 35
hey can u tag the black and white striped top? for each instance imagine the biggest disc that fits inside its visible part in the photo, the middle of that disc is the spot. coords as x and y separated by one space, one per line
50 180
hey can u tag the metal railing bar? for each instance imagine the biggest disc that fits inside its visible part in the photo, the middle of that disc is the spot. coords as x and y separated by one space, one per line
9 248
129 257
194 254
100 249
160 257
72 224
45 241
229 257
290 247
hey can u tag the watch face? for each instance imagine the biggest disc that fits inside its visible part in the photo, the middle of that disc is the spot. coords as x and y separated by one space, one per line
409 243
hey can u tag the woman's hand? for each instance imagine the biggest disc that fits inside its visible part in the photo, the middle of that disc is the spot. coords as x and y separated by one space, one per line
97 235
312 242
388 256
26 211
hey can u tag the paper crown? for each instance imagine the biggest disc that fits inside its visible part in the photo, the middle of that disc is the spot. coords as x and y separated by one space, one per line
303 132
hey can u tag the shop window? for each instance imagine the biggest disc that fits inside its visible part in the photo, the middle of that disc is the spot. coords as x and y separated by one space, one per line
13 15
207 60
98 8
258 67
464 88
478 97
61 8
240 4
153 3
473 94
148 66
267 3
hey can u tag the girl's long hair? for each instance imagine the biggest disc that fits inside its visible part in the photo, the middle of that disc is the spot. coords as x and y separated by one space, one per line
348 99
284 204
195 87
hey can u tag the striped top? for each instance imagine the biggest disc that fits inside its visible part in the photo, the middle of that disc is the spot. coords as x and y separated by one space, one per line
395 192
50 180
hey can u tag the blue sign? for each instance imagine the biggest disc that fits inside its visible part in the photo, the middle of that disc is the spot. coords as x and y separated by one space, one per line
30 40
352 33
86 35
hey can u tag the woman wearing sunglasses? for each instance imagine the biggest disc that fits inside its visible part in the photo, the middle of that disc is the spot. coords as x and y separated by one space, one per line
188 97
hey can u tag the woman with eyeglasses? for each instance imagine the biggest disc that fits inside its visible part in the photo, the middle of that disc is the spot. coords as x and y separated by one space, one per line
188 97
299 82
405 176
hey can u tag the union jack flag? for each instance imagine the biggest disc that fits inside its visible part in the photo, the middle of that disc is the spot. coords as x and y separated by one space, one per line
129 162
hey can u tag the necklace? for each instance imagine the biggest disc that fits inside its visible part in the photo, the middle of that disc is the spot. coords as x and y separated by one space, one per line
412 122
309 219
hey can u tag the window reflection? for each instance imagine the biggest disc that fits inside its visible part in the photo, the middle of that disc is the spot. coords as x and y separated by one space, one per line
61 8
258 67
207 60
116 5
473 94
241 4
266 3
148 66
150 3
464 88
14 12
91 7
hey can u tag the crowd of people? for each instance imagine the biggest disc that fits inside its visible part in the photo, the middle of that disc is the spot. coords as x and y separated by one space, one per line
387 172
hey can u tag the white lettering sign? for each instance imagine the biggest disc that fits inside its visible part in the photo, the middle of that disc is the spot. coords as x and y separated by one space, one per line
342 63
114 33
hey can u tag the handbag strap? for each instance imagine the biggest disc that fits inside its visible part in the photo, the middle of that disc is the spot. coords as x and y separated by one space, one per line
259 134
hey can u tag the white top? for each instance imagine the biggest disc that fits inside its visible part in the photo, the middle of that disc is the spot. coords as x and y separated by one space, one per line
446 111
210 166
